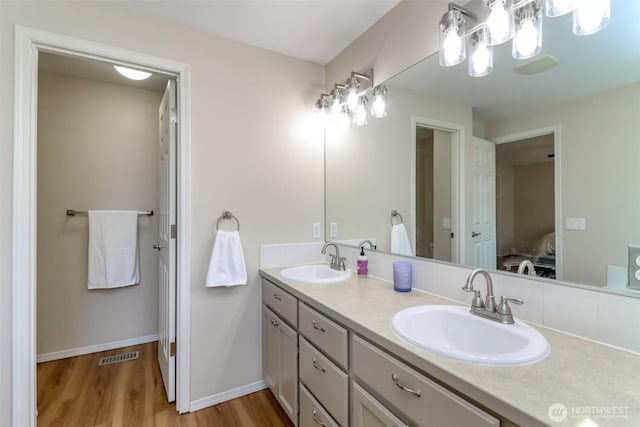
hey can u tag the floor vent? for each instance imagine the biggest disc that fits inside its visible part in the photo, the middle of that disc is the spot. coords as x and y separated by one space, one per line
119 358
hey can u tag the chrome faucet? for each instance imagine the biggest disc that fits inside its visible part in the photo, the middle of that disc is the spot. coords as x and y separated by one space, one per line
528 266
337 262
371 245
487 308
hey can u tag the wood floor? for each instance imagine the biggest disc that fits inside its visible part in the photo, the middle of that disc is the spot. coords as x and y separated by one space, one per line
76 392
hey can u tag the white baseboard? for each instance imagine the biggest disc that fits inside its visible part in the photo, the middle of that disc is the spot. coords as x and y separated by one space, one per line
227 395
46 357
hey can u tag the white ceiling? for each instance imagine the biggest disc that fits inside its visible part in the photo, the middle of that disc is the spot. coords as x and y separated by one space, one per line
314 30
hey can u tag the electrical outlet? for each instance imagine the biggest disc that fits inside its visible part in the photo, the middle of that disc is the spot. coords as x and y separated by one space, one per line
315 233
634 266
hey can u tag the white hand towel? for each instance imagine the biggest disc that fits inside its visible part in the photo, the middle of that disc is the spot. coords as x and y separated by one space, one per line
400 240
113 249
226 266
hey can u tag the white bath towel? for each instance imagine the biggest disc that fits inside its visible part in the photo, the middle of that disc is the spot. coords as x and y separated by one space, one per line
400 240
226 266
113 249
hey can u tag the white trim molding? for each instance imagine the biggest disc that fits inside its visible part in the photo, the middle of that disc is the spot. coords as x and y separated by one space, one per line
81 351
205 402
28 42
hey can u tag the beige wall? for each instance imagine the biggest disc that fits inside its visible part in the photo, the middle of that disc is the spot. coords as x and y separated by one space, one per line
401 38
250 154
505 193
598 161
424 195
442 198
97 149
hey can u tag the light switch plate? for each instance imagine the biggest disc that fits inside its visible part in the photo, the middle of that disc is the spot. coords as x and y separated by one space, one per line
333 229
315 230
575 224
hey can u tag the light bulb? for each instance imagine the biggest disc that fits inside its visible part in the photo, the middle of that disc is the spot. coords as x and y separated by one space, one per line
480 59
361 115
498 23
352 99
452 46
526 40
378 107
132 74
336 108
591 16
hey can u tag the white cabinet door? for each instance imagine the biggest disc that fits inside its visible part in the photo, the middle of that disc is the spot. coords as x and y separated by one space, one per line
280 361
366 411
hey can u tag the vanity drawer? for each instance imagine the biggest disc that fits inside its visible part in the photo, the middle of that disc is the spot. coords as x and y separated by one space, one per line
325 380
328 336
286 305
422 400
312 414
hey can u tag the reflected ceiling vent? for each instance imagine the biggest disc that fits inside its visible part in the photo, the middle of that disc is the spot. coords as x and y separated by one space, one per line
538 65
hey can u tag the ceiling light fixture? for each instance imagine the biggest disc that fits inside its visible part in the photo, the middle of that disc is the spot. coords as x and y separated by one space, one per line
520 20
132 74
348 101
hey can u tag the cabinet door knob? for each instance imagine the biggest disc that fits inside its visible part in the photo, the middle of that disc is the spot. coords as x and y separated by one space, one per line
318 367
277 296
316 420
315 326
396 381
275 322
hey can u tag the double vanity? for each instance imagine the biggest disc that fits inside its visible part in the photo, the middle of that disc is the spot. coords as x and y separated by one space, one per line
343 350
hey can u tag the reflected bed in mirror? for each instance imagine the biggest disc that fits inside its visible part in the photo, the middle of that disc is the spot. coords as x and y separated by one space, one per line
565 203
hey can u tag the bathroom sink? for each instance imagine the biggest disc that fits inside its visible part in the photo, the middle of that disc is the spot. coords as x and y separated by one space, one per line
454 332
317 273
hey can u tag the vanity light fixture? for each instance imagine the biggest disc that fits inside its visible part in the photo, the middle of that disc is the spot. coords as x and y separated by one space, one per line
527 41
132 74
348 102
520 20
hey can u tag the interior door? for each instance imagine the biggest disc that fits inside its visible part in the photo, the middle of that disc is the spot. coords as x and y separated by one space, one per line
166 240
483 186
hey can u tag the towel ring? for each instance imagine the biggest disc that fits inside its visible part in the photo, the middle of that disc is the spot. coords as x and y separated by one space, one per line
395 213
227 215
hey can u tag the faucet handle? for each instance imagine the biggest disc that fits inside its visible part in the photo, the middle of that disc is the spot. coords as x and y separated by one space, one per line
341 261
503 307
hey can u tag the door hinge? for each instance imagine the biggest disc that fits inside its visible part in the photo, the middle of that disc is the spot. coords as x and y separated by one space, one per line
174 231
173 349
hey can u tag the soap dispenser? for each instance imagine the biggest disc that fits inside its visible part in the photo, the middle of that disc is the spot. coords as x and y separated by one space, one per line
362 263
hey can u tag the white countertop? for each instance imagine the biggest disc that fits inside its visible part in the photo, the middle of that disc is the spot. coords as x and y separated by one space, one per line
594 382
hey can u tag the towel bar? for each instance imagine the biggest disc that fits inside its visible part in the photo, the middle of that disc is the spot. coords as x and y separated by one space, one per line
395 213
227 215
73 212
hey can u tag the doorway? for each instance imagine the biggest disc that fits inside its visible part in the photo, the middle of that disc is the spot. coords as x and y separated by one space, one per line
436 199
29 43
526 203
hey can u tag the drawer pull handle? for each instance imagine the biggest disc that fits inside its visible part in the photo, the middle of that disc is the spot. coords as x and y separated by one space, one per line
315 326
316 420
278 297
318 367
417 393
275 322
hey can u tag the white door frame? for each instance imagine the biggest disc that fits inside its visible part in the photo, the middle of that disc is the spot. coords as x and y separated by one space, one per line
28 42
457 183
557 170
